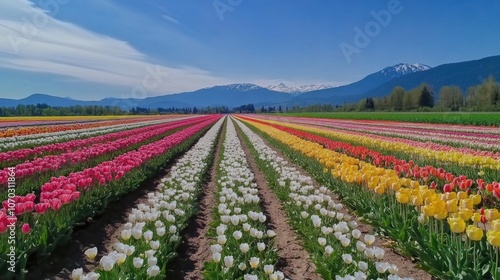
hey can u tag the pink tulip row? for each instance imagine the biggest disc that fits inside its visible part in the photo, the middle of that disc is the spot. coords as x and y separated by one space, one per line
422 133
429 126
66 189
55 162
21 154
368 132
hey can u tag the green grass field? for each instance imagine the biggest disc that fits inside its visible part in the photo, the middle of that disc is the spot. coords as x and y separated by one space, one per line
471 118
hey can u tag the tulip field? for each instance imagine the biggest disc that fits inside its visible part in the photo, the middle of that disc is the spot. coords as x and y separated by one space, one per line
248 197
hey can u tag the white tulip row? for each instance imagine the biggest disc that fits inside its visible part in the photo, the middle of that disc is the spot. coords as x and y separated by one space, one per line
242 246
335 231
152 231
8 143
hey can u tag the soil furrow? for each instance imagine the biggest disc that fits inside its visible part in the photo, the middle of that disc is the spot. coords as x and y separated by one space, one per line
194 250
294 260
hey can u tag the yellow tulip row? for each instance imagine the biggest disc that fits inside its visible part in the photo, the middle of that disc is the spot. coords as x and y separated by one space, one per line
457 207
442 156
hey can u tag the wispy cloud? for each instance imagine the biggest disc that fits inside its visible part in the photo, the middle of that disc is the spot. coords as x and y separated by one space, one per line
171 19
32 40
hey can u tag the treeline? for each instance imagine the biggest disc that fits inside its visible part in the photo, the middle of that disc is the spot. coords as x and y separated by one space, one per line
176 110
482 97
46 110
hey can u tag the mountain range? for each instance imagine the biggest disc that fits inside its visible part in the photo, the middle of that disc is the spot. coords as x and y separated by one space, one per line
297 90
462 74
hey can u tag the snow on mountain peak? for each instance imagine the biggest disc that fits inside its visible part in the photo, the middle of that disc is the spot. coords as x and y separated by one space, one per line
404 68
238 87
296 90
243 87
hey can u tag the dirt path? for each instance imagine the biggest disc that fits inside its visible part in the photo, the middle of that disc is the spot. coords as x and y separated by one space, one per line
96 232
407 267
294 260
194 250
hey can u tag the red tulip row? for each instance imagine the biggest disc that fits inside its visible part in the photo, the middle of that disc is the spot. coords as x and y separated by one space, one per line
66 189
56 162
407 169
22 154
474 143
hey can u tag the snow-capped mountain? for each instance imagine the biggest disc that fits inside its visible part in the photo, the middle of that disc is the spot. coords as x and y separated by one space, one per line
297 90
368 83
401 69
237 87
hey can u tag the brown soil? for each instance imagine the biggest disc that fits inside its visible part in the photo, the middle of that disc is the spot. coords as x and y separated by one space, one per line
294 260
194 250
407 267
99 232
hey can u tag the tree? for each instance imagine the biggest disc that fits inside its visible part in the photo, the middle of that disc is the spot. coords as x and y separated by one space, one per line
408 103
361 105
426 98
484 97
397 98
370 105
450 97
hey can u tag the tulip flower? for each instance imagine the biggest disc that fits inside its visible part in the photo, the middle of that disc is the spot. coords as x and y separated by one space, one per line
242 266
148 235
378 253
126 234
120 258
76 274
360 246
221 239
457 225
228 261
153 271
347 258
261 246
321 241
107 263
474 233
150 253
381 267
271 233
363 266
91 253
493 238
216 248
356 233
154 244
328 250
393 269
254 262
268 269
369 239
250 277
216 257
152 261
138 262
25 228
246 227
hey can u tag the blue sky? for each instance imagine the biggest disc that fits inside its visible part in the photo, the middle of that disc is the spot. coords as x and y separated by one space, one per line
94 49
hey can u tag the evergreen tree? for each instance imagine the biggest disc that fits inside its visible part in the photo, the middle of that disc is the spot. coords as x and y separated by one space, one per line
370 104
426 98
